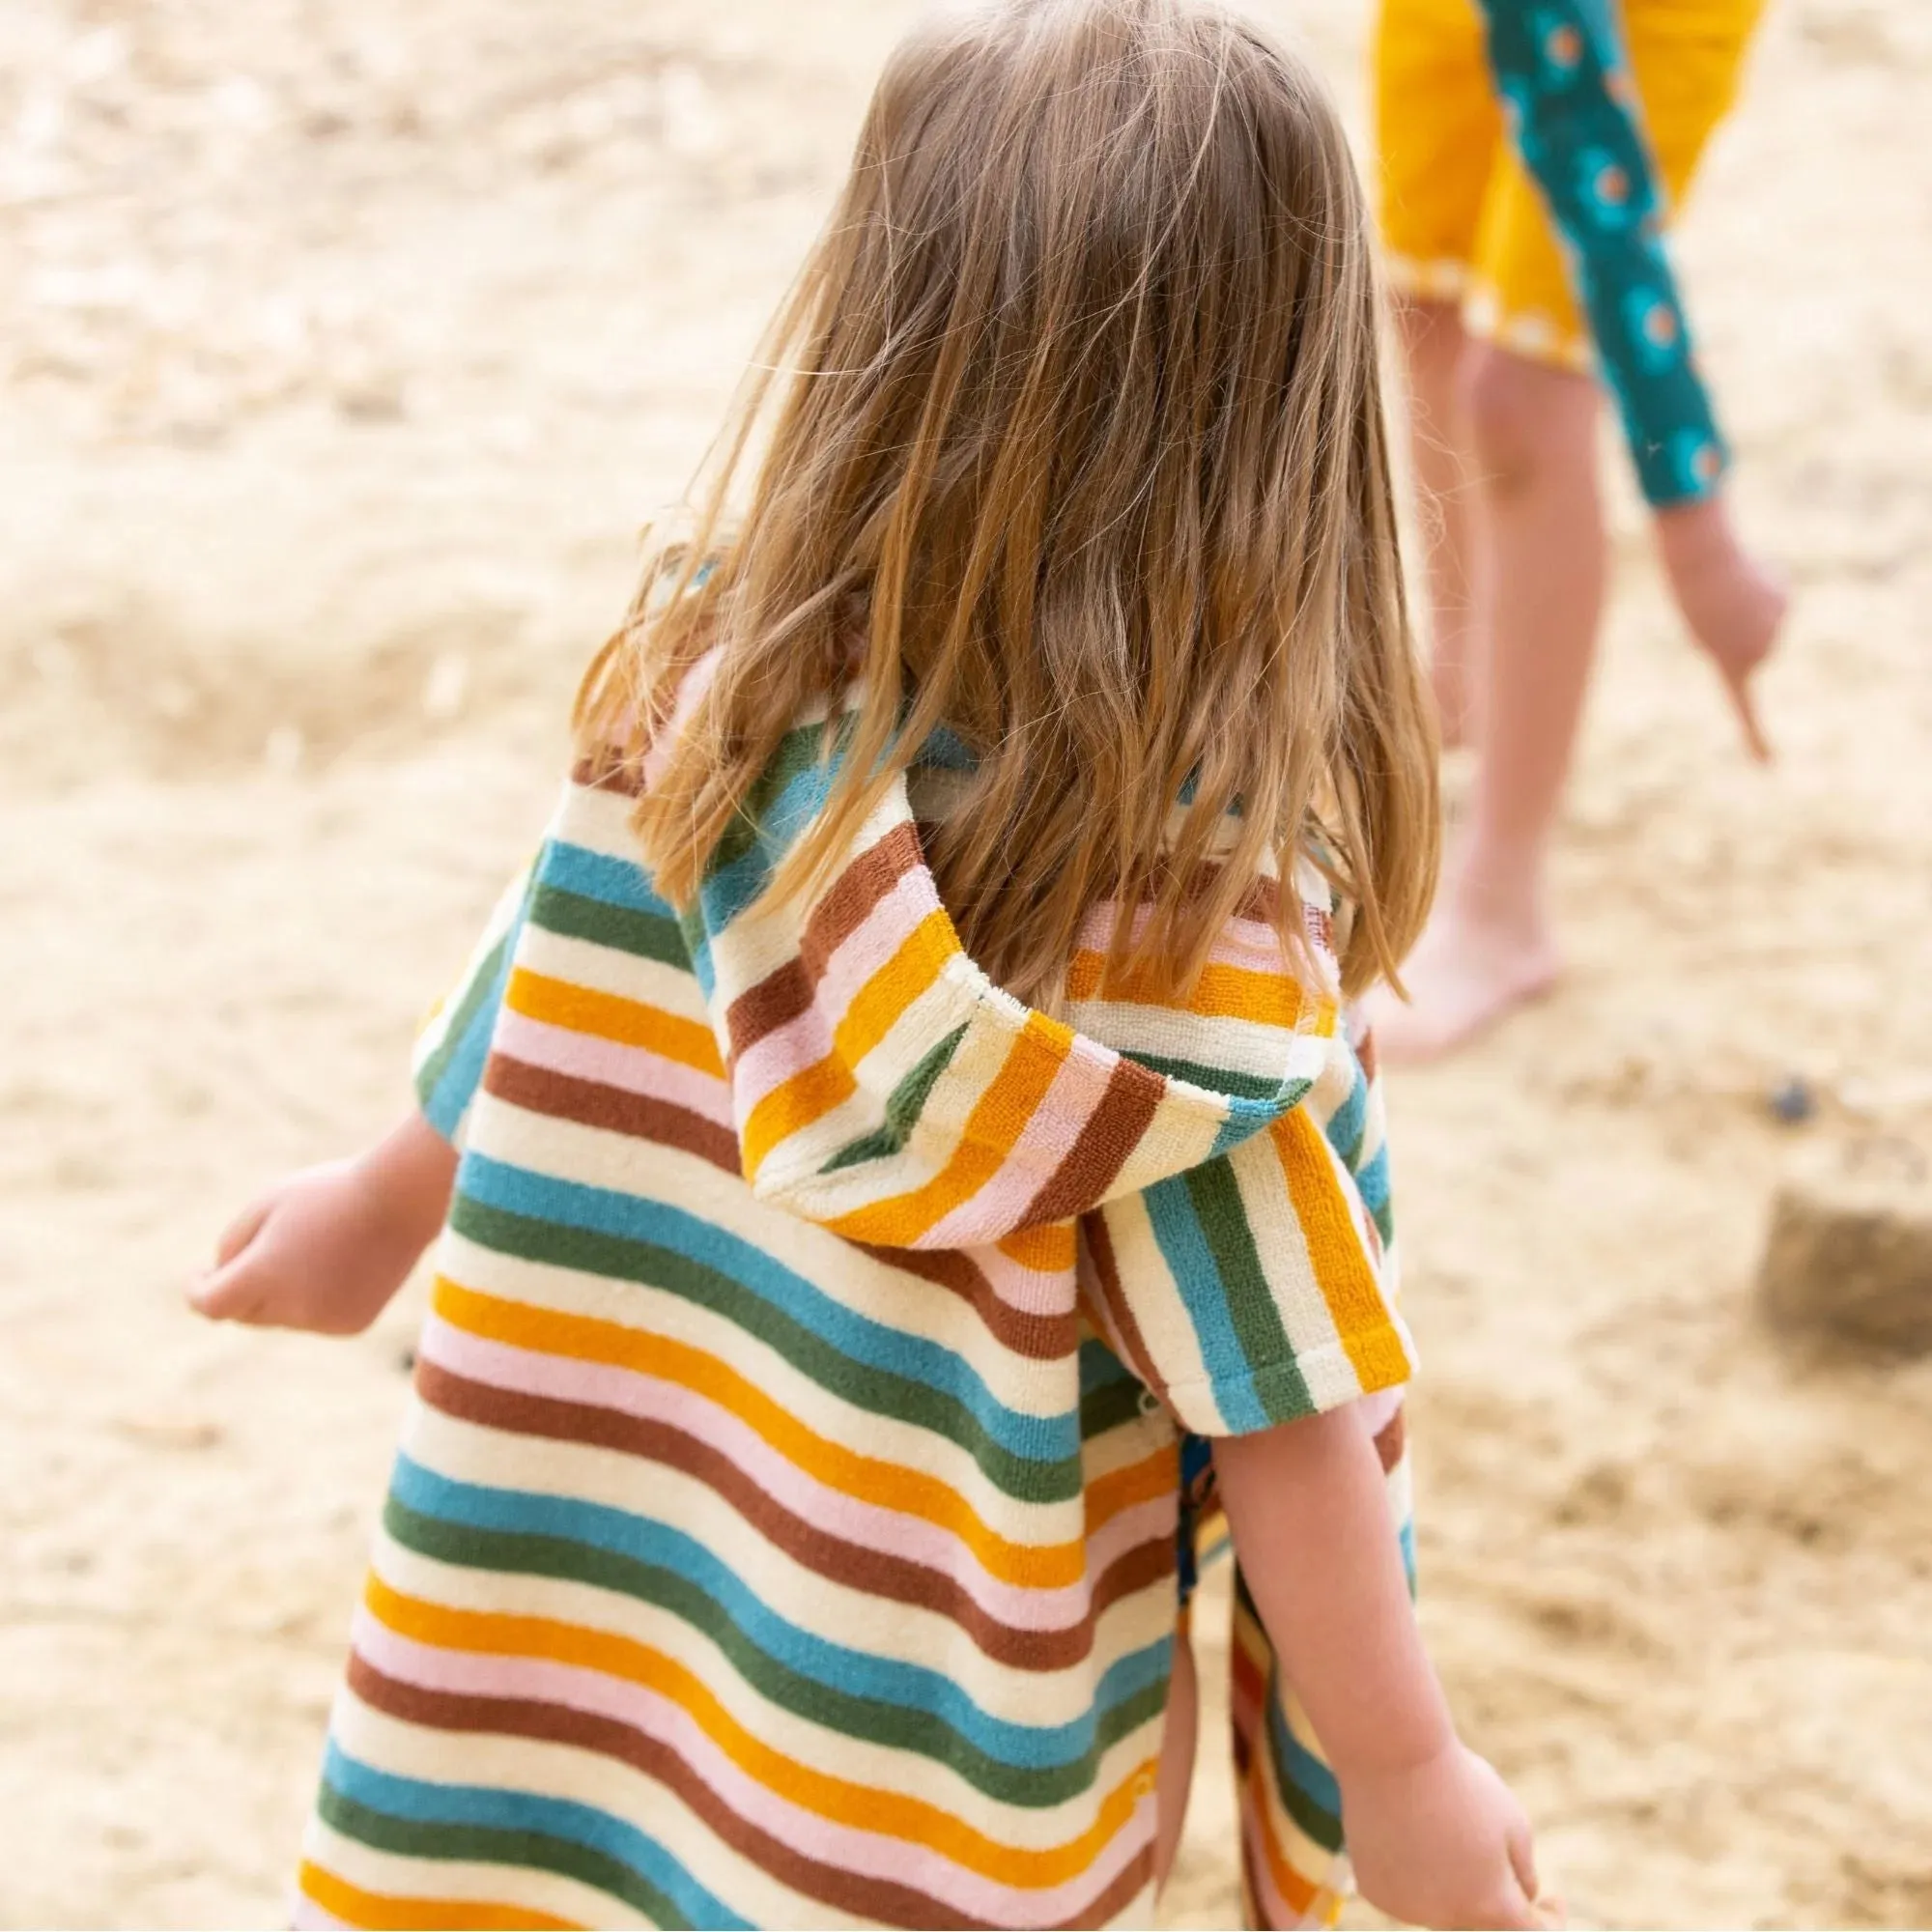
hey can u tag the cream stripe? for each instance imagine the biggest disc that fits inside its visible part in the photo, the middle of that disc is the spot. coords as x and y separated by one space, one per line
881 1437
591 1157
819 1604
608 969
390 1874
579 1776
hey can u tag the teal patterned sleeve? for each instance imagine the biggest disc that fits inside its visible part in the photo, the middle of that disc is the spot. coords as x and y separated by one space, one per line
1561 72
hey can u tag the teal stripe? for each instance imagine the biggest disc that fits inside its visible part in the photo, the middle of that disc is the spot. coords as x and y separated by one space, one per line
1223 1219
864 1385
447 1079
496 1846
876 1720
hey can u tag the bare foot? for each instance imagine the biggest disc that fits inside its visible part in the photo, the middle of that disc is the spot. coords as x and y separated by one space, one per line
1471 967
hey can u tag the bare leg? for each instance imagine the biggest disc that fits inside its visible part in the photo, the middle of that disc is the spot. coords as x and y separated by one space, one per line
1176 1776
1488 946
1437 352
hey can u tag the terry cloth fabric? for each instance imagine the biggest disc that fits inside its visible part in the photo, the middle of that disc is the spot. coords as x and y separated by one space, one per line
783 1531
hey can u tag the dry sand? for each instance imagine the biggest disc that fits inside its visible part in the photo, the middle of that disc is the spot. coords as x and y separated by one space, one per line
343 345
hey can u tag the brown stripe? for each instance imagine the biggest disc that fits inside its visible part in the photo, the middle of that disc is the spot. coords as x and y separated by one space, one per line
775 1002
1040 1337
1133 1095
1100 1245
589 1103
610 770
880 1900
1111 1903
1366 1054
873 1572
783 995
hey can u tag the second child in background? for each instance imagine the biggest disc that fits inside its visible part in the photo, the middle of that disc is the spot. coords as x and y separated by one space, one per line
1524 152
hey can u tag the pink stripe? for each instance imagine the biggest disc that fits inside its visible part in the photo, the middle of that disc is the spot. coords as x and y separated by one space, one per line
1045 1141
635 1069
1048 1292
891 1532
690 695
1250 943
870 1853
1274 1909
808 1039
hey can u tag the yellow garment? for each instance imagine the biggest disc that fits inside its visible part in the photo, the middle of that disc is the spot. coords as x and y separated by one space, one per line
1461 216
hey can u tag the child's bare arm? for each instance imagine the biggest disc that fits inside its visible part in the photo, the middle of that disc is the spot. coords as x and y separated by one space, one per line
1435 1836
327 1247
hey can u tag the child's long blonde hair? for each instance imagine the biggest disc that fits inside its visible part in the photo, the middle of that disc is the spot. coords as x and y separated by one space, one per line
1073 441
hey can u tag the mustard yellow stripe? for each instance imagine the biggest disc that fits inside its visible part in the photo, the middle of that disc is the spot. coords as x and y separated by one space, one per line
1223 992
919 961
1135 1483
628 1022
380 1913
1049 1249
815 1090
1298 1890
791 1106
1343 1270
892 1486
992 1130
862 1806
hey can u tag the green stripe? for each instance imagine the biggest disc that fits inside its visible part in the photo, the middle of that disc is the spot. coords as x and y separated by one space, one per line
1109 1408
1315 1819
572 916
1319 1822
1216 1197
1220 1079
1036 1480
872 1718
485 1844
903 1106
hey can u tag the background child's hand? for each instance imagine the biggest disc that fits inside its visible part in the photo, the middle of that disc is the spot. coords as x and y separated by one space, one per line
326 1248
1731 603
1444 1844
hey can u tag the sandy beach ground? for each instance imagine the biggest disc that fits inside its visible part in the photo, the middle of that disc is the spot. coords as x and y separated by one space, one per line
342 348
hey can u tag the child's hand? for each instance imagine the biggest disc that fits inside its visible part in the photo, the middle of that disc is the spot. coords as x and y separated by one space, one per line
1731 603
315 1252
326 1248
1444 1844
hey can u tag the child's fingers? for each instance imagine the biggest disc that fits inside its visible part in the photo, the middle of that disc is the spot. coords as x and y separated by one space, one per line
1516 1910
238 1291
247 1311
1738 688
222 1296
242 1230
1522 1848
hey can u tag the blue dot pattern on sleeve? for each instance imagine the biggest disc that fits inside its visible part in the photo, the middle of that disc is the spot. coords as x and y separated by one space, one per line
1571 108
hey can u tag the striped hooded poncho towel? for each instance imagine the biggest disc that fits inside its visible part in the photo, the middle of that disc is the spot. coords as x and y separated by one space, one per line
784 1528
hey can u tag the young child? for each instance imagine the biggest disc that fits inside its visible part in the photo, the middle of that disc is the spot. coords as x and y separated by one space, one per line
1525 148
907 1109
